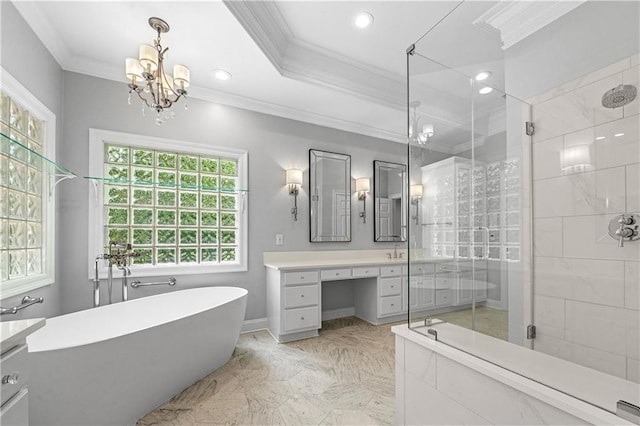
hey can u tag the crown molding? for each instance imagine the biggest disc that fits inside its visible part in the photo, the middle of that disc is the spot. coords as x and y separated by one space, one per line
312 64
513 21
43 29
265 25
299 60
294 114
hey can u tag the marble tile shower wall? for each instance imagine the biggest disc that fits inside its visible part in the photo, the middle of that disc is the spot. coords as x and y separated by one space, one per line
586 289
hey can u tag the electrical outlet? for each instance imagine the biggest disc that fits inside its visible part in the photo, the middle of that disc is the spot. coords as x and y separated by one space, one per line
279 239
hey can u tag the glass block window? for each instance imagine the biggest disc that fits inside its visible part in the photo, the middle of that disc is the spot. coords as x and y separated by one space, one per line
175 207
22 204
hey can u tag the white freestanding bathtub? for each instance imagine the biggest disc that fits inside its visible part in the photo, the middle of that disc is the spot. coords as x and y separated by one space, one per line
112 364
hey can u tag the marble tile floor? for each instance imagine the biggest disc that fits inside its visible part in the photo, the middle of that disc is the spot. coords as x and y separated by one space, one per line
345 376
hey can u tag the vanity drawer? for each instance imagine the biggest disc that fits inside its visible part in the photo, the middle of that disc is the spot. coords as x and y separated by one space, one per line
296 319
447 267
425 269
303 295
16 411
336 274
390 286
14 369
443 283
443 297
302 277
390 305
391 271
366 272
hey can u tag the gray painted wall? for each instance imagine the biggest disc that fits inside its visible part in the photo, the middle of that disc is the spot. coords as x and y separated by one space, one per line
274 144
595 34
27 60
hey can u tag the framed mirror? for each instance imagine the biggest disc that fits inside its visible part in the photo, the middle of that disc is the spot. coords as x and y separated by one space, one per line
389 207
329 196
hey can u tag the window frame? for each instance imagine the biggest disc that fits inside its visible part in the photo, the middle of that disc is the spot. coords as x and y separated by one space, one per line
15 90
98 138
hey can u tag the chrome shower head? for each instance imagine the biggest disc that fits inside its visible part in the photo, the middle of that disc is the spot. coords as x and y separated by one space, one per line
619 96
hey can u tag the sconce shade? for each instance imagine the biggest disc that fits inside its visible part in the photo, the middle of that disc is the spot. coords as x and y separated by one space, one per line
363 184
427 130
576 158
293 177
415 191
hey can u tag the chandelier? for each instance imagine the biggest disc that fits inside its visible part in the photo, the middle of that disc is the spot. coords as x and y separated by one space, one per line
157 90
416 134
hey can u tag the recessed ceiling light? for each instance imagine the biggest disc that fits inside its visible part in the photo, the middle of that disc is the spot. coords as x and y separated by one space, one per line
483 75
485 90
363 20
617 135
599 138
222 75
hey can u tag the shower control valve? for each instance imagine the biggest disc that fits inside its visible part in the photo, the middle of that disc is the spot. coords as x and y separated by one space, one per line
624 228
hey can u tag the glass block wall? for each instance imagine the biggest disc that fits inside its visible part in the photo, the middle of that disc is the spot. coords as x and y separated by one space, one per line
22 222
175 208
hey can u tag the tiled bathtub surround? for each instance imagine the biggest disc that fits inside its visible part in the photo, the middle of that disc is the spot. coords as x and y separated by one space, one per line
586 289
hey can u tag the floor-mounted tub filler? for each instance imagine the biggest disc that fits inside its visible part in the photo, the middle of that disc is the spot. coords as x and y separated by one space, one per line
112 364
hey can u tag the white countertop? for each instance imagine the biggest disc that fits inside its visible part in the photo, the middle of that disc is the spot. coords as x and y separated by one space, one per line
546 377
330 263
339 259
14 332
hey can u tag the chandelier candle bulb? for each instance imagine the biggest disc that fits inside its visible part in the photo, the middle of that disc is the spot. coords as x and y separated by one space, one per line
167 85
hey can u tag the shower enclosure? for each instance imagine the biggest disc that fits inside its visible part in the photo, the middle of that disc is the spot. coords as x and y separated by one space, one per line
524 178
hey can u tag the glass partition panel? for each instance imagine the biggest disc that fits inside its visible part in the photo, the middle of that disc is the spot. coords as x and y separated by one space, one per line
524 229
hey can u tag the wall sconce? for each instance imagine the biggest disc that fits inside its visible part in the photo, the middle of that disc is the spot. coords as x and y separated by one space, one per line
363 185
576 159
415 192
293 178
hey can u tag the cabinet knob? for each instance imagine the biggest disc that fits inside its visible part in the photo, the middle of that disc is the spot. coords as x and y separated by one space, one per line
302 295
393 304
302 318
337 273
10 379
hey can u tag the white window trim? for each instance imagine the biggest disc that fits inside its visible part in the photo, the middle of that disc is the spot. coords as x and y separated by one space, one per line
12 87
97 140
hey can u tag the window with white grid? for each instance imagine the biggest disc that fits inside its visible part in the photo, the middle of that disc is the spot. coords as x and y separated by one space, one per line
180 206
26 201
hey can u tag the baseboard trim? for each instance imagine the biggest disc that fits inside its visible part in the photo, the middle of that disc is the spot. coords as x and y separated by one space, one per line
254 325
338 313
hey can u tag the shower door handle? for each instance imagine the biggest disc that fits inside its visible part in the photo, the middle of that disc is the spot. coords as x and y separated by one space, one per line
485 241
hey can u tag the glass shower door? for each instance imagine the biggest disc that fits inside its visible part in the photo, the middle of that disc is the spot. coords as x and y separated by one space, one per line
466 150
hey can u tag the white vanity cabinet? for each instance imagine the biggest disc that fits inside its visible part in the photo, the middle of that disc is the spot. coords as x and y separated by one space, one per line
390 291
380 291
14 404
419 295
293 304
